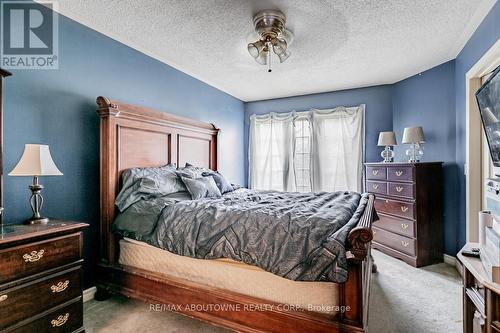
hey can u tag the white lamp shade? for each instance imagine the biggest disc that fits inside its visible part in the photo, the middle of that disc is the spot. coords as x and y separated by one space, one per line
413 135
387 139
36 161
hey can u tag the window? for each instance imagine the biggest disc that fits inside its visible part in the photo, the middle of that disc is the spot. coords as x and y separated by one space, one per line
312 151
302 155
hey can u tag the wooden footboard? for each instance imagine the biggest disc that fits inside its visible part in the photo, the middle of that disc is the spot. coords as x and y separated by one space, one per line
133 136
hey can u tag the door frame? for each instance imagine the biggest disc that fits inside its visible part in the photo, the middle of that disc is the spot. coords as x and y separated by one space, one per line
473 163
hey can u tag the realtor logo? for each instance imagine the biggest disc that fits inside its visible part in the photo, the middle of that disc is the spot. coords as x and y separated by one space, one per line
29 34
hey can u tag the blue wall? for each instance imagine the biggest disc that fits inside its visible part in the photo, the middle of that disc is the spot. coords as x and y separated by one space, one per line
428 100
378 102
57 107
483 38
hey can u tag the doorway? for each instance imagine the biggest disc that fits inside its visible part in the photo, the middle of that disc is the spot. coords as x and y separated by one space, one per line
478 162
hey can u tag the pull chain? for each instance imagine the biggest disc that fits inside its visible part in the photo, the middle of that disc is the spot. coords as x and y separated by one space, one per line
269 58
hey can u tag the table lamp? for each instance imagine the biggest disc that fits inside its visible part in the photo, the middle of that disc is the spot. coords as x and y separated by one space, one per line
36 161
387 139
415 137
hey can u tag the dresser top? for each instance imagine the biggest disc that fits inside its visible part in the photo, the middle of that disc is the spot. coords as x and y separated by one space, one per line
403 163
10 233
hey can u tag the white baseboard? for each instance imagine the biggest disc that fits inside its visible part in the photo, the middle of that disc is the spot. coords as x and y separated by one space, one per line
88 294
450 260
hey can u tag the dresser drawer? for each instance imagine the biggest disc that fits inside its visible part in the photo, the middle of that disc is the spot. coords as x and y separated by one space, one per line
394 241
400 173
404 190
395 207
376 172
397 225
27 300
25 260
376 187
66 319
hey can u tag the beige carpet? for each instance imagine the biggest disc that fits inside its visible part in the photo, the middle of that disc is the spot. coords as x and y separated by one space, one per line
403 300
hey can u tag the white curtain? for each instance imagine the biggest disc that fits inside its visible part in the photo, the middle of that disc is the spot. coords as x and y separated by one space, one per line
335 150
271 146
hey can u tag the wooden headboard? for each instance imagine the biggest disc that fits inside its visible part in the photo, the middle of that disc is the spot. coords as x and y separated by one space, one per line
134 136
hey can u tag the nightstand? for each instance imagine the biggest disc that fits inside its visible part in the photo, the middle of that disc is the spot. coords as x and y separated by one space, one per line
41 277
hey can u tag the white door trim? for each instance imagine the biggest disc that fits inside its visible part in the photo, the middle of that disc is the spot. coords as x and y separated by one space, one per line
473 166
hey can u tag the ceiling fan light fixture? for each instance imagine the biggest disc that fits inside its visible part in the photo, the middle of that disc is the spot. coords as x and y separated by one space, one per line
255 48
274 38
262 58
283 56
279 46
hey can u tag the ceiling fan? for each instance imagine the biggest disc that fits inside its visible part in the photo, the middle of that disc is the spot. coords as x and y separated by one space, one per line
274 38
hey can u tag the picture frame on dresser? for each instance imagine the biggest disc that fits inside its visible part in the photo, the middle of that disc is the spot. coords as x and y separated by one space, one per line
408 200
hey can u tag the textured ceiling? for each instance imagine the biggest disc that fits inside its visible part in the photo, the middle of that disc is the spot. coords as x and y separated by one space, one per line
339 44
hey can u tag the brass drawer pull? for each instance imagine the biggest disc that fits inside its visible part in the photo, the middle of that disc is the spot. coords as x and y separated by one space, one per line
375 172
399 189
3 298
33 256
405 243
404 226
59 321
60 286
404 209
399 173
375 186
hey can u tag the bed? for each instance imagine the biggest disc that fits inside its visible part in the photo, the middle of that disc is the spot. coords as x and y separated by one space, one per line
223 292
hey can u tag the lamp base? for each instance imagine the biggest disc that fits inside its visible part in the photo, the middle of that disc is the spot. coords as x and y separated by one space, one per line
387 154
39 220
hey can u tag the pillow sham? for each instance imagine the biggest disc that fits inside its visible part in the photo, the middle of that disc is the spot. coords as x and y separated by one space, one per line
144 183
203 187
222 184
138 220
165 177
236 186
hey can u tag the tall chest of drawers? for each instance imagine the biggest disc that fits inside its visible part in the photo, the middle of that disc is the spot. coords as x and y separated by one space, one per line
41 277
408 200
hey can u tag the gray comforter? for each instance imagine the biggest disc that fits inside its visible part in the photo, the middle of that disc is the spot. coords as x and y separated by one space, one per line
299 236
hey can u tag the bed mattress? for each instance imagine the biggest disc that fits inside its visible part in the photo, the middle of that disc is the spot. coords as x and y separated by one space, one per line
231 275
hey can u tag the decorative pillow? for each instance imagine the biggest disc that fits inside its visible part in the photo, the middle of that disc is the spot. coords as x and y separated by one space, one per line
221 182
191 171
203 187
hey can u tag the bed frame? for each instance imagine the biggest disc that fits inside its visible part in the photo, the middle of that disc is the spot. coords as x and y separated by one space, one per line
132 136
